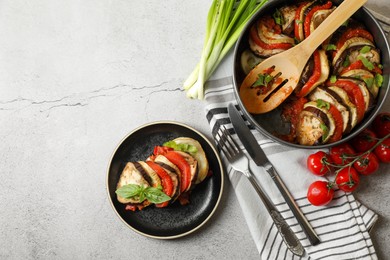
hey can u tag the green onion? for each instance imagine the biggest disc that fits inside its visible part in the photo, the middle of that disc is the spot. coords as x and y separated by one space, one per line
322 103
225 21
366 62
331 47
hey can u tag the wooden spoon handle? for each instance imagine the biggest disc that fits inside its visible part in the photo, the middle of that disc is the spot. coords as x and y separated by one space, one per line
345 10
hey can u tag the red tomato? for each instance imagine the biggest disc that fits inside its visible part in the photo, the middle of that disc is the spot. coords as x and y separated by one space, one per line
166 181
347 179
184 167
320 193
367 164
338 119
364 141
381 124
317 163
342 154
382 151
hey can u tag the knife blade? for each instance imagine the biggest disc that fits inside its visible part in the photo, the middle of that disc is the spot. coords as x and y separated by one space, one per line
258 156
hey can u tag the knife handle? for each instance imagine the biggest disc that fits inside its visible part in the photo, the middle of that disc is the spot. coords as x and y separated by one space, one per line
284 229
305 225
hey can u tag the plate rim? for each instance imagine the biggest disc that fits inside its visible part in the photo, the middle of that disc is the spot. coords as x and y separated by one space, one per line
222 172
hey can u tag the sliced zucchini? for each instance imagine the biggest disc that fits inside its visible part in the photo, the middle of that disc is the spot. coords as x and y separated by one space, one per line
249 60
319 17
347 102
200 157
173 172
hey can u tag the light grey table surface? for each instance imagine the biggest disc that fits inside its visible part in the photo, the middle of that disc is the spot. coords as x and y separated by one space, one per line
75 78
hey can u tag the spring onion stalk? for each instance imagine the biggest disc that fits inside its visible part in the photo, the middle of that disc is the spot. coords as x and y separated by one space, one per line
225 21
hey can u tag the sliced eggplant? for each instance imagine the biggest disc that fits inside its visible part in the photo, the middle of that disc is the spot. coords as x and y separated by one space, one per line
268 36
130 175
145 169
249 60
173 172
319 17
300 34
367 77
341 54
324 64
288 13
306 73
193 167
331 126
200 157
262 52
347 102
309 129
325 95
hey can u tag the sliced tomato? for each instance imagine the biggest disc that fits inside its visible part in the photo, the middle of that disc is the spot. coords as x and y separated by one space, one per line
184 168
256 39
314 77
309 15
166 181
161 150
354 94
354 32
298 22
359 65
339 123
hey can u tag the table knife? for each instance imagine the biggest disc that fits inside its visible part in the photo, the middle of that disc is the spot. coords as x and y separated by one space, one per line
259 157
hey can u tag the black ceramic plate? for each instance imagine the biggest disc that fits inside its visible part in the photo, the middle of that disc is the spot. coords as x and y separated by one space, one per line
175 220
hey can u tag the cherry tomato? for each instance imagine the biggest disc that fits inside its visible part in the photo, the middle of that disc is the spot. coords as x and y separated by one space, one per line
382 151
364 141
320 193
367 164
341 154
317 163
347 179
381 124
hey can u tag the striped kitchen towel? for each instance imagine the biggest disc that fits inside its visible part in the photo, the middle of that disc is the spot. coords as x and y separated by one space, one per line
342 226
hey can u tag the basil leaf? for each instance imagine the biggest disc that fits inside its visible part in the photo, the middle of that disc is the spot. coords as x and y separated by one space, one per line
322 103
379 79
278 17
331 47
365 49
333 79
366 62
369 82
156 195
325 130
181 147
128 191
346 62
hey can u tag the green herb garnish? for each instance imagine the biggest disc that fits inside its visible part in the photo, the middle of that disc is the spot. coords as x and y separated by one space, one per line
378 79
365 49
346 62
325 129
366 62
298 21
154 195
333 79
263 80
369 82
278 17
181 147
322 103
331 47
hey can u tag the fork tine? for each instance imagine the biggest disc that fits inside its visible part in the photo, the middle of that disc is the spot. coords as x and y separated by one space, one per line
230 140
221 143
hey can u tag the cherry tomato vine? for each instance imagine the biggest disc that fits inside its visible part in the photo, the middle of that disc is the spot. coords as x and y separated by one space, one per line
348 161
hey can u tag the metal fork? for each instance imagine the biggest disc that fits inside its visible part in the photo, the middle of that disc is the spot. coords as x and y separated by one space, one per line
240 163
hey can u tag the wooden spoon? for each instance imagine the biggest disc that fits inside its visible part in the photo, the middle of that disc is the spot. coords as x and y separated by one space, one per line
288 65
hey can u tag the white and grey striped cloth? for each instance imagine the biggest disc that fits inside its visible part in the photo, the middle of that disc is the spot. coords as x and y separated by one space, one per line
342 226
